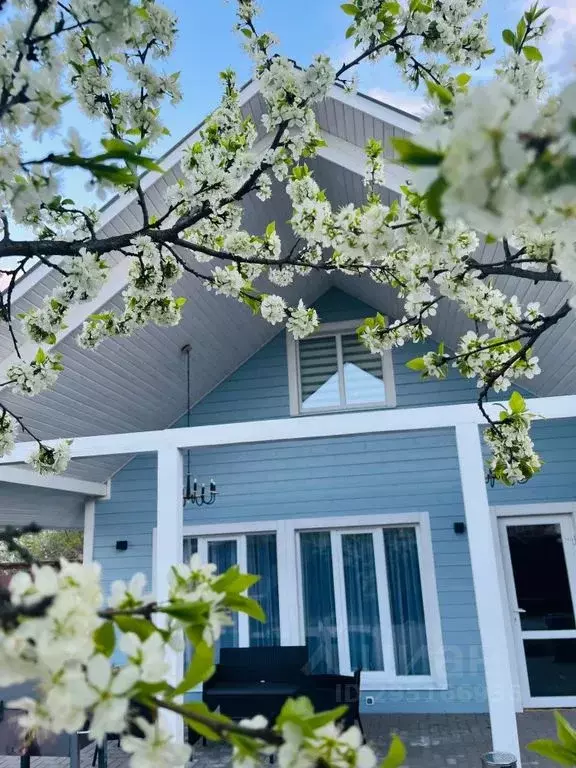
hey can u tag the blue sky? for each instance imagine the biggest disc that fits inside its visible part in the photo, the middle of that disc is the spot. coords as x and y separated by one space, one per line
207 44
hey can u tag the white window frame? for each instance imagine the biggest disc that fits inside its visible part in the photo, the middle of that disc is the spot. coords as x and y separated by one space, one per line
292 631
381 680
336 330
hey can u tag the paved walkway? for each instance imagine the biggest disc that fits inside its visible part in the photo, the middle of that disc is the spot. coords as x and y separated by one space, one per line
432 741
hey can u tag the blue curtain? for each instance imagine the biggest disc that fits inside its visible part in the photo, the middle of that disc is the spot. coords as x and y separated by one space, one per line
364 636
406 606
319 608
224 554
261 557
190 548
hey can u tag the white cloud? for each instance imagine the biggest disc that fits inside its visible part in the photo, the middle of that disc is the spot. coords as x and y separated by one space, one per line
558 48
406 100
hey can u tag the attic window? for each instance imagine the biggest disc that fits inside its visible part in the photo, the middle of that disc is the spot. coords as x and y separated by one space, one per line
333 371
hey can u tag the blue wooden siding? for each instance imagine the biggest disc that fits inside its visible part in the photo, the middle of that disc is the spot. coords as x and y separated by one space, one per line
259 388
330 476
361 474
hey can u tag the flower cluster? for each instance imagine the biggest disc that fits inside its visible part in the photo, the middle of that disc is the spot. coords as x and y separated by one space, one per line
513 456
34 377
48 460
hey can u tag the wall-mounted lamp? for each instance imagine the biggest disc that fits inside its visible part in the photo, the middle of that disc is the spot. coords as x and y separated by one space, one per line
460 527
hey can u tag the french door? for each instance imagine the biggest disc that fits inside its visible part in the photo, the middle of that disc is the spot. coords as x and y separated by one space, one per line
254 553
539 554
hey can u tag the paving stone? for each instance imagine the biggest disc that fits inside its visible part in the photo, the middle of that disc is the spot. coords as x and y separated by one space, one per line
432 741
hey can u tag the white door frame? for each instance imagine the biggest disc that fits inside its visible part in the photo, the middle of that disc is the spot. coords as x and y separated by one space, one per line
534 514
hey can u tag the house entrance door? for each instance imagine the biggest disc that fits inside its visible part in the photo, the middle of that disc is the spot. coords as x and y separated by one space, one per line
539 555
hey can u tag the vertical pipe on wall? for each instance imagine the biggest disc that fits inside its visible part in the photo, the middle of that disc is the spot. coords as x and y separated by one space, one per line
491 604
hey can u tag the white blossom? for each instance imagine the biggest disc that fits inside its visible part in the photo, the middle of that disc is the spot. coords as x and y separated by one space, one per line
50 460
131 595
273 309
156 748
302 321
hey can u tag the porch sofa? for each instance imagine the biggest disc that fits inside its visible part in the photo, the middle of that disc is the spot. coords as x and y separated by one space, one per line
250 681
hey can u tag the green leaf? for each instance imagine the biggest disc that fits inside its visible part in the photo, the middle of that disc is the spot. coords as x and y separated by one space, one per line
463 79
187 612
414 154
566 734
246 32
271 228
105 638
199 708
40 356
532 53
434 196
201 668
517 403
417 364
396 754
554 751
509 37
142 628
239 583
330 716
521 30
245 605
350 31
443 95
350 9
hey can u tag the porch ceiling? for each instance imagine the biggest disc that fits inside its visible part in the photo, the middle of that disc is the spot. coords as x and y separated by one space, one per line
139 383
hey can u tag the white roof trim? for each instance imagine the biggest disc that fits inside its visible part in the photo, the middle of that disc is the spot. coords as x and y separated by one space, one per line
352 157
21 476
377 109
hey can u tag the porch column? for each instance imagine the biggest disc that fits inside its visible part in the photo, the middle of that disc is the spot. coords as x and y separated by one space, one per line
169 550
490 602
89 522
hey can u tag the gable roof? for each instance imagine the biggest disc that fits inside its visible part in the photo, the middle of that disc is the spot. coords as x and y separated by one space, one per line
138 383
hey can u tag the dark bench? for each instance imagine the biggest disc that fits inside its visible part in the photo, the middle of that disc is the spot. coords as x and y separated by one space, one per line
252 681
257 681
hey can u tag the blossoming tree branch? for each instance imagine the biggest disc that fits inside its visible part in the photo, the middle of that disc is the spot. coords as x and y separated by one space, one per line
496 161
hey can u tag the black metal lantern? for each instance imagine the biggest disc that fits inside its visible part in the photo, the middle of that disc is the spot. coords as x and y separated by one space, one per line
192 493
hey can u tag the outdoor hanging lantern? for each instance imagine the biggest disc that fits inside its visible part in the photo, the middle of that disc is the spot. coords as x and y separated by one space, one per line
193 494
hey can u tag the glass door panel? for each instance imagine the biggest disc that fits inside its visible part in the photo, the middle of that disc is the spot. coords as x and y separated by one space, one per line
319 603
364 637
541 576
540 562
224 553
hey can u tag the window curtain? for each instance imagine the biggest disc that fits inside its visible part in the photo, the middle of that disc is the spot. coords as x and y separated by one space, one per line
224 554
261 558
190 548
319 607
406 606
364 636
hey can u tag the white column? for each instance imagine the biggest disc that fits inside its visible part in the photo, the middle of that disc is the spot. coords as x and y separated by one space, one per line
490 602
169 550
89 522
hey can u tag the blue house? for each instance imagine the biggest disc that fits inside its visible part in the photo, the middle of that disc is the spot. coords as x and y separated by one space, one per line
355 489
